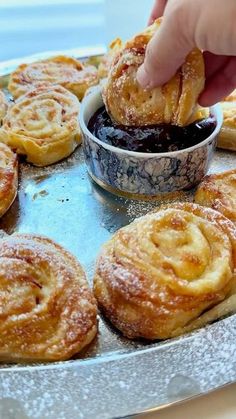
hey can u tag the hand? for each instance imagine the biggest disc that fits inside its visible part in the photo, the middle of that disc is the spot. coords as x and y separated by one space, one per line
210 26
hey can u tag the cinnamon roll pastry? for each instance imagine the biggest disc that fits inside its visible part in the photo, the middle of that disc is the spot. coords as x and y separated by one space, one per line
174 103
218 191
227 135
65 71
48 311
157 276
8 178
3 106
43 125
106 60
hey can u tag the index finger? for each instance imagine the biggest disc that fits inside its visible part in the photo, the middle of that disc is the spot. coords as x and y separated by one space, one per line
157 10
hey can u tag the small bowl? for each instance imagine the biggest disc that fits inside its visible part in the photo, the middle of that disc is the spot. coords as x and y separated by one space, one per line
143 175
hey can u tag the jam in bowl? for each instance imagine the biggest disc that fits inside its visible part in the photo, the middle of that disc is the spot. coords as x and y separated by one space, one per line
145 161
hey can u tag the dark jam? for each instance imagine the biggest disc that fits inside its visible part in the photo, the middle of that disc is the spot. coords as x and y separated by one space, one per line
152 138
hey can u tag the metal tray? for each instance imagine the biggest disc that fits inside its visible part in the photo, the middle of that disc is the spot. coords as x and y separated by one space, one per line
114 377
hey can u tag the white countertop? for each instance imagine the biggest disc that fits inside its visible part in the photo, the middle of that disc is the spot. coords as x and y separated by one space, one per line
220 404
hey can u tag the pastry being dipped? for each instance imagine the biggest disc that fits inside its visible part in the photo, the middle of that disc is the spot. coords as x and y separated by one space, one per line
174 103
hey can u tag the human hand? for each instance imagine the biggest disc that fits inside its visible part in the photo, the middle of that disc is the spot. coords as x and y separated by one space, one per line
208 25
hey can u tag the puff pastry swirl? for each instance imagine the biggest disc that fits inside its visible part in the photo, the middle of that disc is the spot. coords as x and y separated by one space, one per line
175 102
8 178
47 310
156 277
43 125
66 71
218 191
3 106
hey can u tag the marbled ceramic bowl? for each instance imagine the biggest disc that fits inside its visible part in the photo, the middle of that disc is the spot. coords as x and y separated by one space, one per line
136 174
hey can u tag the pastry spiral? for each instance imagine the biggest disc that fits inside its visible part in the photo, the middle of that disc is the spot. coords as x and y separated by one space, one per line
48 311
65 71
8 178
43 125
3 106
156 276
218 191
227 135
175 102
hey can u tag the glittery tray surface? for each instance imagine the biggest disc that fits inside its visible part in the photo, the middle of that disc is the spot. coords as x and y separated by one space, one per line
114 377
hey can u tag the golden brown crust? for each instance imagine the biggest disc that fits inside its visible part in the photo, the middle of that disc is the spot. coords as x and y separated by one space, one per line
105 63
175 102
3 106
65 71
218 191
227 135
156 276
48 311
8 178
43 125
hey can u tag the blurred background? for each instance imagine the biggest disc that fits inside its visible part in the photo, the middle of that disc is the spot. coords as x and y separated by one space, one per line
33 26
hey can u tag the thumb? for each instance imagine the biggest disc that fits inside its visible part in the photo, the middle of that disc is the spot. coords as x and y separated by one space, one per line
165 53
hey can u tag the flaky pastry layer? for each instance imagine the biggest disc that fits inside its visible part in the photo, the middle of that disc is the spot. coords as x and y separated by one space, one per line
48 311
156 277
43 125
65 71
3 106
175 102
8 178
218 191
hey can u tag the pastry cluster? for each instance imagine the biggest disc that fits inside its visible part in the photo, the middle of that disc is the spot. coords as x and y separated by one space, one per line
227 136
48 311
43 124
174 103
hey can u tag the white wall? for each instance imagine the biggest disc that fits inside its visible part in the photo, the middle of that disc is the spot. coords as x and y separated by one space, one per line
33 26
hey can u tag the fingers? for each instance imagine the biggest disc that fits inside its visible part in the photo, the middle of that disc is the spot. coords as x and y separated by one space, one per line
220 84
157 11
165 53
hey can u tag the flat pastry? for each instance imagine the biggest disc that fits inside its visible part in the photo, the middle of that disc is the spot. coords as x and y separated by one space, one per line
48 311
66 71
106 60
218 191
3 106
43 125
157 276
227 135
8 178
175 102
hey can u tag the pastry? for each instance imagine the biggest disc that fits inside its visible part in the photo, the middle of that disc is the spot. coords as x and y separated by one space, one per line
8 178
43 125
227 135
218 191
106 60
66 71
174 103
157 276
48 311
3 106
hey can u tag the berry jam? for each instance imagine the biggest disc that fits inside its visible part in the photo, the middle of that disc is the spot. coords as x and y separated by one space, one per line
160 138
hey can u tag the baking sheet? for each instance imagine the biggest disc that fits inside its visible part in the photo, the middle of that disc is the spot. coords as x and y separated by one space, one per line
114 377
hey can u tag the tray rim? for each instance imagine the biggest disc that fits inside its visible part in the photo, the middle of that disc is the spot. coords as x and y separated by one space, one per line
6 67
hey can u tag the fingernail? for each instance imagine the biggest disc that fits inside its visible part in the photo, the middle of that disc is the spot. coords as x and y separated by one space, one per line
143 77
